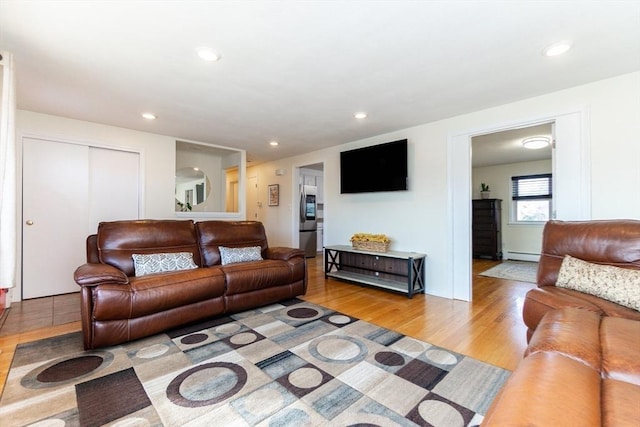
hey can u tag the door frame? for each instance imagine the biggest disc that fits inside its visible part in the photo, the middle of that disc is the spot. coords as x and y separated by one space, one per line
16 293
572 197
253 206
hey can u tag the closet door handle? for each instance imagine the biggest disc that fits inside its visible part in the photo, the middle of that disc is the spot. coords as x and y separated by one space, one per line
29 222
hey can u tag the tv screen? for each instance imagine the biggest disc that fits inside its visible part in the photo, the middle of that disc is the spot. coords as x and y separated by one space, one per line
375 168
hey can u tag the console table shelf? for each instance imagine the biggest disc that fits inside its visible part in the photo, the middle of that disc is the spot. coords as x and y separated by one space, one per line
392 270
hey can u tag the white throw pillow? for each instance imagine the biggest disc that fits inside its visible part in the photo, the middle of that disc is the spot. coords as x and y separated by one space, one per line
615 284
235 255
157 263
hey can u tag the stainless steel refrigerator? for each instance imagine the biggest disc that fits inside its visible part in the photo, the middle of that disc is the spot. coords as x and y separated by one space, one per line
308 220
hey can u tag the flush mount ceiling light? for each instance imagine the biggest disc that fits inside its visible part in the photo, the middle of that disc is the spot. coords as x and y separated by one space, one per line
535 142
360 115
274 143
208 54
149 116
557 48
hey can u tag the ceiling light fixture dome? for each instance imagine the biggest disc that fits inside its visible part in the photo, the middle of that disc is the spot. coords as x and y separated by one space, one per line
536 142
149 116
557 48
360 115
208 54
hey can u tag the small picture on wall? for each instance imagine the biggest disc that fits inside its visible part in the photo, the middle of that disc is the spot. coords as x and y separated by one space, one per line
274 195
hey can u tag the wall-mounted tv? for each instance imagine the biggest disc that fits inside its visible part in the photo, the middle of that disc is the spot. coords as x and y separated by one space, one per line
381 167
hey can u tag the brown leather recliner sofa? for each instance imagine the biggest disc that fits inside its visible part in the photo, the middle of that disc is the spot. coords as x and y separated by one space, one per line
117 306
582 364
607 242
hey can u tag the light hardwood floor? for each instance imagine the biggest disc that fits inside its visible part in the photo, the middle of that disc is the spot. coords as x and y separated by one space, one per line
489 329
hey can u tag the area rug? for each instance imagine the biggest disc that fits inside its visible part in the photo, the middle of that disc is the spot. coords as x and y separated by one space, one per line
521 271
288 364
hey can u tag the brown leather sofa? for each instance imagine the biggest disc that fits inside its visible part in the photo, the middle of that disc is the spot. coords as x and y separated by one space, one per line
609 242
580 369
582 364
117 306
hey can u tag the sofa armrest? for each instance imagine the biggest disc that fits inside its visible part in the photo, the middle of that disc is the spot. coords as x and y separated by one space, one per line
92 274
283 253
548 389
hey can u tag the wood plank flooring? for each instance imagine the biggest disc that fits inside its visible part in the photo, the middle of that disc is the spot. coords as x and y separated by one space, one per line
489 329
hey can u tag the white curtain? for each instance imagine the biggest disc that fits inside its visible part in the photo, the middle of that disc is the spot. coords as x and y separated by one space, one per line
8 200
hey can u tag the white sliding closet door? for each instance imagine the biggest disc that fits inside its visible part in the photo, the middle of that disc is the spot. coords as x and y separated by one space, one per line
66 190
114 186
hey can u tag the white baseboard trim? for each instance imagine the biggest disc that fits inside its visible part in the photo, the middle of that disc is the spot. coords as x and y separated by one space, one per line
521 256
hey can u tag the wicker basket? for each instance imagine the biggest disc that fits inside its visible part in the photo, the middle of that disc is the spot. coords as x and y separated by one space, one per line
370 246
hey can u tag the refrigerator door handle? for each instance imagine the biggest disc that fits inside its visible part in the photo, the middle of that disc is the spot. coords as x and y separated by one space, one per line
302 206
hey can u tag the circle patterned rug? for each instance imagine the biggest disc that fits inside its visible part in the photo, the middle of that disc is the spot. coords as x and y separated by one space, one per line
288 364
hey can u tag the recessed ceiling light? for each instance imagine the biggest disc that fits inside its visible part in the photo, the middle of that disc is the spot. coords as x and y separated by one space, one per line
273 143
535 142
557 48
149 116
360 115
208 54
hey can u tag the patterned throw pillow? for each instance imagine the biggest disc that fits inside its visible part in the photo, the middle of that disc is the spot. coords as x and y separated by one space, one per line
615 284
234 255
157 263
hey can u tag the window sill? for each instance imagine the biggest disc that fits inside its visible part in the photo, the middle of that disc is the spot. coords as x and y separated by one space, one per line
527 223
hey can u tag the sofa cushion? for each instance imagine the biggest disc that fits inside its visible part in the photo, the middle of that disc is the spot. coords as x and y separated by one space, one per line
119 240
157 263
157 293
231 234
619 285
612 242
242 254
539 301
620 403
620 340
255 275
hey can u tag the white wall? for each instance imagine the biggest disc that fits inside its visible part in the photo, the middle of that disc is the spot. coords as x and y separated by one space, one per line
519 241
417 220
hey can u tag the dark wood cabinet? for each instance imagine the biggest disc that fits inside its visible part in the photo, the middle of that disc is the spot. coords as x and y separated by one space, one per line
486 225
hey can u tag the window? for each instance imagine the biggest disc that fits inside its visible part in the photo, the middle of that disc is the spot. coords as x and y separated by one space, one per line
531 198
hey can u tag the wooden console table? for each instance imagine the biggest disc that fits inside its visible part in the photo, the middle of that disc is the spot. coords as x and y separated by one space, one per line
396 271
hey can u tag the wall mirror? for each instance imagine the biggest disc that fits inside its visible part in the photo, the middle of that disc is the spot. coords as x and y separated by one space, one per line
209 180
192 188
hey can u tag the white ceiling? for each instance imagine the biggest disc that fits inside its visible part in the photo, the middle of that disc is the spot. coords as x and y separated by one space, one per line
501 148
297 71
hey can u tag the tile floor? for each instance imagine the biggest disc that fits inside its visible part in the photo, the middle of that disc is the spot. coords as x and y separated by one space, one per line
38 313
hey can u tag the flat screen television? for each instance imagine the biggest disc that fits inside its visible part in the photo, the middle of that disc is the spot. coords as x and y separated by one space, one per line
381 167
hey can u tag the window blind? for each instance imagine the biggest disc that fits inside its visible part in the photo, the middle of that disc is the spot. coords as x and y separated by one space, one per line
531 187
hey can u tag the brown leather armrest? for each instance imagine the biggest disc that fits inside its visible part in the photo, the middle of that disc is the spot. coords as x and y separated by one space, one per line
91 274
548 389
283 253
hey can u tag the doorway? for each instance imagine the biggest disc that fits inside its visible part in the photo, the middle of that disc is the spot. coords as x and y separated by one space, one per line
571 192
496 159
310 229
